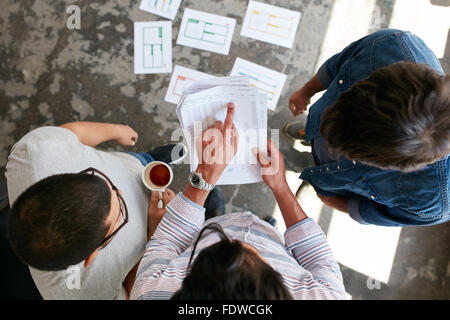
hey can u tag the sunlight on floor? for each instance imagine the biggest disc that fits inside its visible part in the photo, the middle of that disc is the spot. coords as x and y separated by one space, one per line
425 20
367 249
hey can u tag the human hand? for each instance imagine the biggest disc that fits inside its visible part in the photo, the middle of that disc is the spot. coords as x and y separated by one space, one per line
299 101
216 147
338 203
126 136
155 214
272 169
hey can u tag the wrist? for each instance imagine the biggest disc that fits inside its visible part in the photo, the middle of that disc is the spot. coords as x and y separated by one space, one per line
207 174
281 188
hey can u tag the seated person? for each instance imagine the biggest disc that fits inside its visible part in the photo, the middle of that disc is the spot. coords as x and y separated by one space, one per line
236 255
380 134
79 215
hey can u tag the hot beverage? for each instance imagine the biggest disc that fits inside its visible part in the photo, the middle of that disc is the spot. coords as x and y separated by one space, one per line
159 175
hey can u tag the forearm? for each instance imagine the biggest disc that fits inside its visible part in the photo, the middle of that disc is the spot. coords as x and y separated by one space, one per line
290 209
313 86
93 133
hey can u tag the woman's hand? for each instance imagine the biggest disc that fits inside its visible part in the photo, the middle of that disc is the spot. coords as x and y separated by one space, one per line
217 147
272 168
126 136
155 214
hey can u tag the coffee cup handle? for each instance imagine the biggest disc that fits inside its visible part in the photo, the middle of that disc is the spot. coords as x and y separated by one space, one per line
160 201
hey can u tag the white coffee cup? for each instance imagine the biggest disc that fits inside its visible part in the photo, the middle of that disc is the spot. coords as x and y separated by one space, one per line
152 186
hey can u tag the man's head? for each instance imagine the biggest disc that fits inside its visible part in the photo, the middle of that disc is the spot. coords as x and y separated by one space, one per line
397 119
63 220
230 269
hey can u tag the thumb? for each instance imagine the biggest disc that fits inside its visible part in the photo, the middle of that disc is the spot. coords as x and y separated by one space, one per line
262 159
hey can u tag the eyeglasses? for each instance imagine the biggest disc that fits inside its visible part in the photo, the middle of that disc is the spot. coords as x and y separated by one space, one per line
123 206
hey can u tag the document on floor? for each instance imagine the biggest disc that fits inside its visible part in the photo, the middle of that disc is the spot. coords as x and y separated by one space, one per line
164 8
266 80
206 31
181 78
153 47
270 24
204 102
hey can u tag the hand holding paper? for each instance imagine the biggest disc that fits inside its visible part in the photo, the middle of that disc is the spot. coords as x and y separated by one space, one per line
216 147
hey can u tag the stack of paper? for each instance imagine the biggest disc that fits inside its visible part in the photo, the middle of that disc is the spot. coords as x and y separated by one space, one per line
204 102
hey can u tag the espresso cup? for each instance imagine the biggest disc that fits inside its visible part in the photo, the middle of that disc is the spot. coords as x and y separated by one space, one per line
161 178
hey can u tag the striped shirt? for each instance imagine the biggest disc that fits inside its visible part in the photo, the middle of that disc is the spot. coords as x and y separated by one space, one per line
302 257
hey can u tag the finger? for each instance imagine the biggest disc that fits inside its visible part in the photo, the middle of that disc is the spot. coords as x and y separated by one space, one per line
218 125
262 159
292 107
229 117
154 199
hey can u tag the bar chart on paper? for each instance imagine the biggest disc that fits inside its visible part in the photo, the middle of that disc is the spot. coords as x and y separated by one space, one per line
164 8
153 47
264 79
270 24
181 78
206 31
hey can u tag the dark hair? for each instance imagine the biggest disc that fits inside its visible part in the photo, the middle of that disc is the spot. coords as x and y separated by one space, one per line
398 118
228 270
59 221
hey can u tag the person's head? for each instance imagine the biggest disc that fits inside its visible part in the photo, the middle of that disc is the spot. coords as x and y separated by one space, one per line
230 269
397 119
65 219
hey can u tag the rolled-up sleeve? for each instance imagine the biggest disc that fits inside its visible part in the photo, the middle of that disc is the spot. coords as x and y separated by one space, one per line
308 244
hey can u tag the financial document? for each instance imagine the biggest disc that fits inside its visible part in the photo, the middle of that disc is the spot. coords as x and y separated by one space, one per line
153 47
206 31
202 108
270 24
181 78
266 80
164 8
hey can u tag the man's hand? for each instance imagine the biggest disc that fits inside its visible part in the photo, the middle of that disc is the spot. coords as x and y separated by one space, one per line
272 168
154 213
299 101
338 203
126 135
217 147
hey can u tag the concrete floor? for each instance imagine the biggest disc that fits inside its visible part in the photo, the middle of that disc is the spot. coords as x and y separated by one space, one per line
51 75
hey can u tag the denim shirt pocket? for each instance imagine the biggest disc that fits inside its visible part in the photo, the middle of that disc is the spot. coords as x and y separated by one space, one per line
363 188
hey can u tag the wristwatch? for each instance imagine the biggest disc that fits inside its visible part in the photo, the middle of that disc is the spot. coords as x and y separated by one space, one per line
197 181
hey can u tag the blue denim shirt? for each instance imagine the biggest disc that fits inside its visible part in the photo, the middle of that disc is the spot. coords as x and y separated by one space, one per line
381 197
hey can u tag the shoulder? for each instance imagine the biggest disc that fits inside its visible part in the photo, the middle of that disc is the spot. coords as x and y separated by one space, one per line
391 45
38 154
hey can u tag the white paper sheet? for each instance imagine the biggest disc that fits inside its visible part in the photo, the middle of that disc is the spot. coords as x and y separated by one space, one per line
153 47
164 8
250 118
206 31
266 80
181 78
270 24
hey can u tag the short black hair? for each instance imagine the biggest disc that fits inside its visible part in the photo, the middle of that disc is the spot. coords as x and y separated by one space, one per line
59 221
396 119
227 270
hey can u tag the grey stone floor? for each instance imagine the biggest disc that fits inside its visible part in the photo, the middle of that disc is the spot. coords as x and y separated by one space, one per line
51 75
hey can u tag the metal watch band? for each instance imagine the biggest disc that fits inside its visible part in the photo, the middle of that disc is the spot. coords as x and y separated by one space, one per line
203 184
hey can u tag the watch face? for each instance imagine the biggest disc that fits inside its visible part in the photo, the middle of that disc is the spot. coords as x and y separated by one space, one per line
196 180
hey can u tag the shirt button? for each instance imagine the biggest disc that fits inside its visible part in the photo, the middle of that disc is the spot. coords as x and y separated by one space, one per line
354 161
328 169
339 167
372 197
341 81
